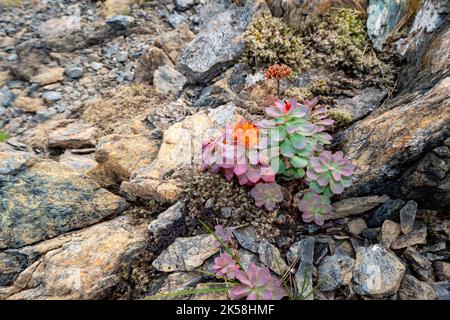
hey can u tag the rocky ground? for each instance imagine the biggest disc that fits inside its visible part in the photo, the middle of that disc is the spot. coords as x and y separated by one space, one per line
104 104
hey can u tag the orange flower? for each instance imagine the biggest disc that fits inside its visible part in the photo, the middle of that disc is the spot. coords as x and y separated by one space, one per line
246 133
278 72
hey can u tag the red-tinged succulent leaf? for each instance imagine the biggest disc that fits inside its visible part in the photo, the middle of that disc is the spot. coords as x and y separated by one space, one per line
225 266
315 208
257 284
267 194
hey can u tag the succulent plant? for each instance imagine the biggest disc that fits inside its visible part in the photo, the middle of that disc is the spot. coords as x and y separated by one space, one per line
224 234
291 128
239 152
267 195
315 208
329 173
225 266
257 284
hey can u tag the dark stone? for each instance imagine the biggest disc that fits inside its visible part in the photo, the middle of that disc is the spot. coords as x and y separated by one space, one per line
408 216
387 211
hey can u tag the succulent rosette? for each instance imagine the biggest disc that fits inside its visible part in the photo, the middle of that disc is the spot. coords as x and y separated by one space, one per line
290 128
257 284
329 173
239 152
267 195
225 266
315 208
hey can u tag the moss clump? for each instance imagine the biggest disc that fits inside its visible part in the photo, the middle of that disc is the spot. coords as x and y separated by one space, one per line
270 41
207 195
342 117
338 40
3 136
319 88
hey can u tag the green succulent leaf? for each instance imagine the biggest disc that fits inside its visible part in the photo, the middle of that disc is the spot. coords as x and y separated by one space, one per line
287 149
298 162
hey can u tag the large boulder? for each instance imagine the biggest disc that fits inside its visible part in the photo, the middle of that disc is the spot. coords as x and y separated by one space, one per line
85 264
41 199
220 43
395 135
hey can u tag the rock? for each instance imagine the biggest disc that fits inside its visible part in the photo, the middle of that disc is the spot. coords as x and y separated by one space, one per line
419 264
427 182
96 65
226 212
52 29
442 290
119 155
382 18
371 233
75 135
42 199
247 238
389 233
167 219
80 163
151 60
247 258
11 264
111 8
177 281
442 270
27 104
172 42
6 97
184 4
303 276
362 103
418 236
402 138
335 271
81 265
387 211
74 72
429 18
180 150
120 22
175 19
377 272
408 216
219 44
52 96
48 76
413 289
357 226
122 57
186 254
354 206
271 257
168 80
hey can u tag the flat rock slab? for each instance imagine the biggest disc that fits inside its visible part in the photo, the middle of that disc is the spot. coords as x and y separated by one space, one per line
80 265
41 199
357 205
186 254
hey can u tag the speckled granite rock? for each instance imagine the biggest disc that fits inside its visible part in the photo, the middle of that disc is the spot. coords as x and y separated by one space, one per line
186 254
41 199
